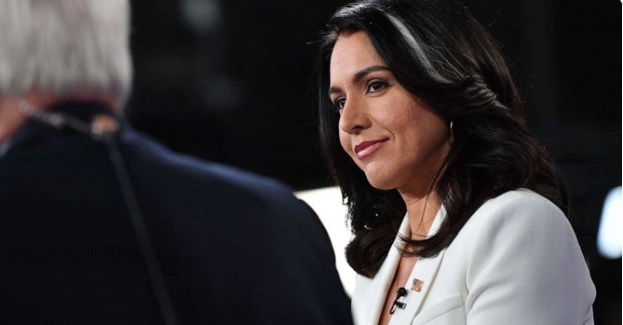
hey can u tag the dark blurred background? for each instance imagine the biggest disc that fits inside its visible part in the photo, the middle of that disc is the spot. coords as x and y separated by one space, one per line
230 81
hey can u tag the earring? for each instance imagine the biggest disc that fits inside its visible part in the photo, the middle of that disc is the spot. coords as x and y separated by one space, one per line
451 130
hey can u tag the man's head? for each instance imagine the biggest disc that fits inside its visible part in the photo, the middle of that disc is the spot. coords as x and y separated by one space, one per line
65 49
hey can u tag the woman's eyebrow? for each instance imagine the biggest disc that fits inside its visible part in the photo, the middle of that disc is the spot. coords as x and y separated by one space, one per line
360 75
364 72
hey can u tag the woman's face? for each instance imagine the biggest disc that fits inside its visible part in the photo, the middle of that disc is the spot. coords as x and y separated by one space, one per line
393 136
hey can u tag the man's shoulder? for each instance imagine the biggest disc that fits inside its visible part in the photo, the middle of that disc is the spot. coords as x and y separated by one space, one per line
160 164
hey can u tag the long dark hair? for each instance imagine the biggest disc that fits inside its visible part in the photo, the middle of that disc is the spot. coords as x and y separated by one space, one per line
441 54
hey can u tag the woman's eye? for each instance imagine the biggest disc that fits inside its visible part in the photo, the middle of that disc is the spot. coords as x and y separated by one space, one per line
375 86
339 104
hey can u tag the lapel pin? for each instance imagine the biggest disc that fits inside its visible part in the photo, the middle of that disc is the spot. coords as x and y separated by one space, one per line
417 285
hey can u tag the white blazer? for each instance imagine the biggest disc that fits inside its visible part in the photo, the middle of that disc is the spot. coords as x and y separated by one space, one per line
515 262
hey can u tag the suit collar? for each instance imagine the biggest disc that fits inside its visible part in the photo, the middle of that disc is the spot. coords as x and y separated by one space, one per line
33 131
425 271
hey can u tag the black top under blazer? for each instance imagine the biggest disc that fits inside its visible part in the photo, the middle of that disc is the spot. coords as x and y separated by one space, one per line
234 248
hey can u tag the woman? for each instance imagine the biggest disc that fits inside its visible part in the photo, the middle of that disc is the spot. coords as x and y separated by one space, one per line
458 217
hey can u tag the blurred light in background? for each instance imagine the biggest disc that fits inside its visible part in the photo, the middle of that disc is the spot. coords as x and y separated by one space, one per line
327 203
609 237
201 15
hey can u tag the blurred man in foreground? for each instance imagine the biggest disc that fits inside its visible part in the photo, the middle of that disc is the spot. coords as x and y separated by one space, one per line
101 225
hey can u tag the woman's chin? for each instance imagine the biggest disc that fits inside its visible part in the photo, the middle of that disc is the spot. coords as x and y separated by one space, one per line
380 184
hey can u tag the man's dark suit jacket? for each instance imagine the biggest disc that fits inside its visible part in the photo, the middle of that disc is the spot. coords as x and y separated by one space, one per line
234 248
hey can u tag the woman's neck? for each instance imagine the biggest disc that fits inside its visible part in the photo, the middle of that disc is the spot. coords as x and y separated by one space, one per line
421 211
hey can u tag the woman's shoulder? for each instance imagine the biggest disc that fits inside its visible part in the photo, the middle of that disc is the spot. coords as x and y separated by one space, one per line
521 203
522 197
518 213
516 237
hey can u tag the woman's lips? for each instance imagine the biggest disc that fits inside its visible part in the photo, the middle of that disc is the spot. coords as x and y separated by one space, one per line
367 148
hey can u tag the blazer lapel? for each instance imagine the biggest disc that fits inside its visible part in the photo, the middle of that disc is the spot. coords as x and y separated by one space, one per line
421 279
383 279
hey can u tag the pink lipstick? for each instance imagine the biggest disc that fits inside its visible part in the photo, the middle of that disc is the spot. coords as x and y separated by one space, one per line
367 148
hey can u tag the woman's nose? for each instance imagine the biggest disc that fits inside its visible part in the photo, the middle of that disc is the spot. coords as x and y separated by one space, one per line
353 118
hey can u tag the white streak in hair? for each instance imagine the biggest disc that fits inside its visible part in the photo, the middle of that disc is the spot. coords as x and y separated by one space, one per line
418 51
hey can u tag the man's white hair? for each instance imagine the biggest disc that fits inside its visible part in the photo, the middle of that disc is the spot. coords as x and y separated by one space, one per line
64 47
